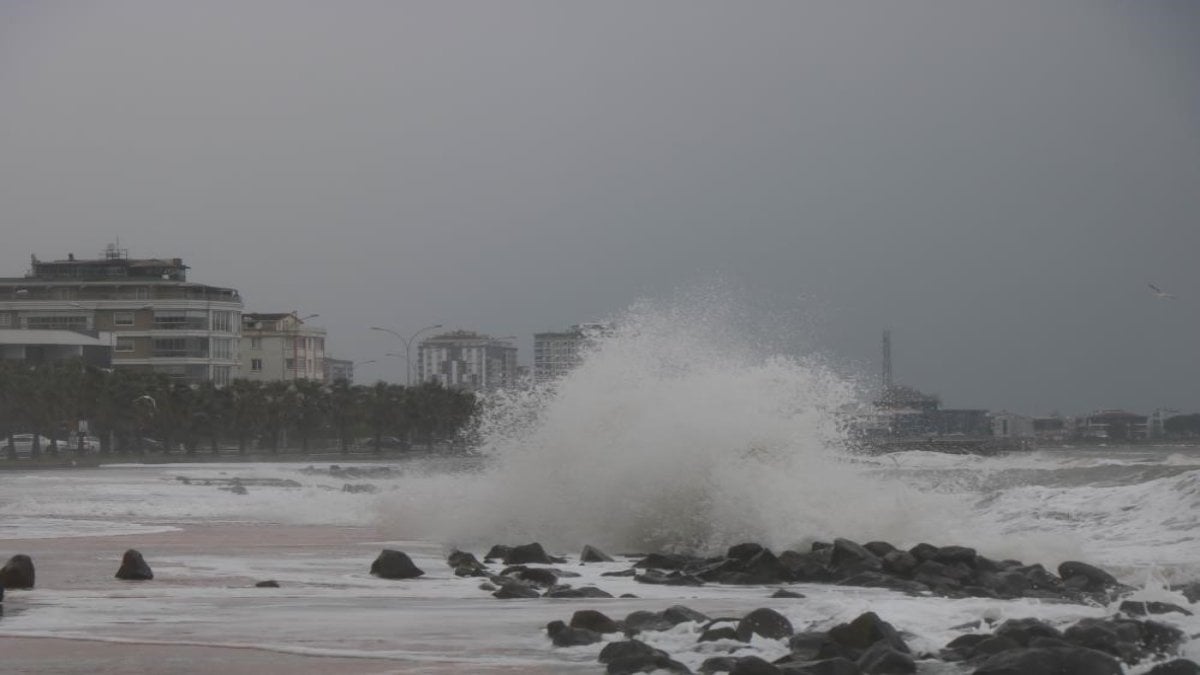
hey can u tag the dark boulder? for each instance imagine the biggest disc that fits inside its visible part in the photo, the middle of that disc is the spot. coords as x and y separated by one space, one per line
879 548
765 622
900 563
527 553
582 592
625 649
996 644
785 593
538 576
269 583
864 631
1190 590
849 557
806 646
1096 578
1039 579
591 554
563 635
497 552
677 614
642 620
466 564
813 566
1024 630
923 552
882 659
393 564
594 621
744 551
17 572
1054 661
950 555
134 567
513 589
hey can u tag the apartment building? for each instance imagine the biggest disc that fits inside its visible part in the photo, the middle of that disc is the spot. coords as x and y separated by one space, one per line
466 360
156 319
282 346
557 353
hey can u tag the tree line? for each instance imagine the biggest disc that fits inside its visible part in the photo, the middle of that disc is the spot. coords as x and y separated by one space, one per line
141 412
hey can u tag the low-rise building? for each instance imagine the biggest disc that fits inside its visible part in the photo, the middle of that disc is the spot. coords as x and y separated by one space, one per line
280 346
339 369
467 360
159 321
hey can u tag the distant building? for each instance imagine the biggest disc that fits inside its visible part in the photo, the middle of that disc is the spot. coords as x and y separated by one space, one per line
1053 429
158 320
467 360
281 347
557 353
1012 425
1115 425
339 369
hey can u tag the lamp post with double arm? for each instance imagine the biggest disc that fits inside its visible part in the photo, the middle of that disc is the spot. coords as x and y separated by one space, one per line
407 347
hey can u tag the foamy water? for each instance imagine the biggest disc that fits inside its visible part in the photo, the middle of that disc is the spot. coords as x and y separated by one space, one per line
674 434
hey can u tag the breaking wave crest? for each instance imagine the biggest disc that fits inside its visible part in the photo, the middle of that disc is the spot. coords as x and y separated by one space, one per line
677 432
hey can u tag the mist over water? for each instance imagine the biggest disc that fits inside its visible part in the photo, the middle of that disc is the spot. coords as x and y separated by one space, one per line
679 432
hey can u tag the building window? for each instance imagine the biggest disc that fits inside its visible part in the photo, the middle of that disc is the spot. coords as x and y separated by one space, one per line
222 348
256 365
57 322
221 322
290 364
181 320
122 318
220 375
124 344
255 343
5 320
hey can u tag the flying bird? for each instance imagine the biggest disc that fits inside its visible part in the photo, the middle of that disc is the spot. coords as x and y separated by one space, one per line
1160 293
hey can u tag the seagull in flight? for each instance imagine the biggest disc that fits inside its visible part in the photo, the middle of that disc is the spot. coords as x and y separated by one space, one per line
1160 293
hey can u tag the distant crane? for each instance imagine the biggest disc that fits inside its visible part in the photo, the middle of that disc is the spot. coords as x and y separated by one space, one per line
1160 293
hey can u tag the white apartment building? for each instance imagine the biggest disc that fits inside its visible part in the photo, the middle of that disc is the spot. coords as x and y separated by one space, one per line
156 319
467 360
557 353
281 347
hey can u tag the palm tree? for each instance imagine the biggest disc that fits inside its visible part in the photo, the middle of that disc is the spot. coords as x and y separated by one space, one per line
247 406
345 411
312 409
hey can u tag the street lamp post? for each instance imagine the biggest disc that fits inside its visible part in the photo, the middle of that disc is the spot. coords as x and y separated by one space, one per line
407 347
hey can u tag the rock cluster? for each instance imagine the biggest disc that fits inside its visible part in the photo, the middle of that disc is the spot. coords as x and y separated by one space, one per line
18 572
953 571
1096 646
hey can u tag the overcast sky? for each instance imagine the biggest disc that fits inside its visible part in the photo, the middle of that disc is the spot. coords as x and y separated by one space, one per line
995 181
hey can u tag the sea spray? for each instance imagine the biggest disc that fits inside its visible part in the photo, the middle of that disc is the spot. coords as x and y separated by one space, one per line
677 432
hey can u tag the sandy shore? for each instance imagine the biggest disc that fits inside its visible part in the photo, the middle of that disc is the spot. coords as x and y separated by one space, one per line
84 567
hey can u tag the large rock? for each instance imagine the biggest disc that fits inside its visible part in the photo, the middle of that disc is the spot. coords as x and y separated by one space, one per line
393 564
592 554
882 659
17 572
563 635
593 620
765 622
864 631
624 649
1052 661
849 557
513 589
1096 578
1025 630
134 567
527 553
753 665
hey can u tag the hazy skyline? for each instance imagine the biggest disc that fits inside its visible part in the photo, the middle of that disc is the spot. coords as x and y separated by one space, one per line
995 182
